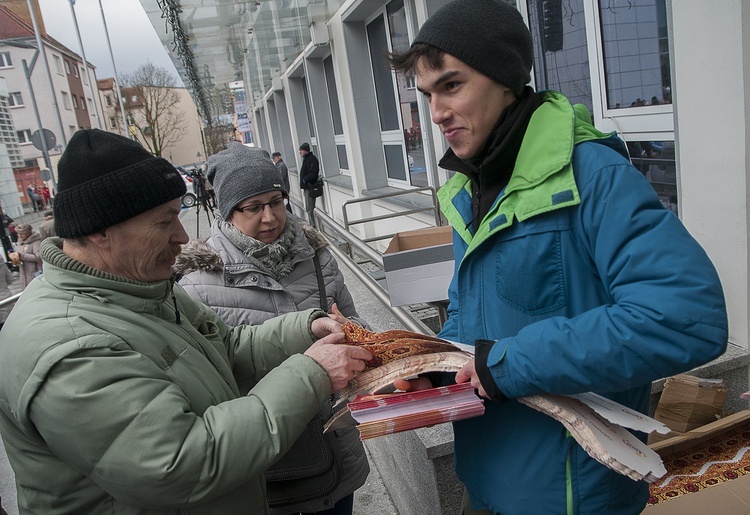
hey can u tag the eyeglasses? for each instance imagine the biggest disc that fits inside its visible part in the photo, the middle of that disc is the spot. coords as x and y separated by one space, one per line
276 204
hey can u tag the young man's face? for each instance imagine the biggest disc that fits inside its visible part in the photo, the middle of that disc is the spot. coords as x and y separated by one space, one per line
464 103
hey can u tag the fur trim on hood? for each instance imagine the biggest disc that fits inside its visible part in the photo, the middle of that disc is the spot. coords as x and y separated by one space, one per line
198 256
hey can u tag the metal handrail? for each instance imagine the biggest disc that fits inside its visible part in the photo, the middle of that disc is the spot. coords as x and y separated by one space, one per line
401 314
434 208
10 300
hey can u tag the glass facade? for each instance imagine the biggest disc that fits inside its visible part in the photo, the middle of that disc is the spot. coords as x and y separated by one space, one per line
636 53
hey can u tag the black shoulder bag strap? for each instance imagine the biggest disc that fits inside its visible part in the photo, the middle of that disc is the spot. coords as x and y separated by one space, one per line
321 284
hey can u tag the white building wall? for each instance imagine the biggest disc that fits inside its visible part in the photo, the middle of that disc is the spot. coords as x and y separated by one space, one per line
710 91
23 117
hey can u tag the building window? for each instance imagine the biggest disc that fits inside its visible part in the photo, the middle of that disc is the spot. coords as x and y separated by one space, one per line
75 69
28 163
636 55
5 61
91 105
75 101
15 99
561 60
83 103
24 136
108 100
66 100
84 77
72 129
112 122
58 66
67 67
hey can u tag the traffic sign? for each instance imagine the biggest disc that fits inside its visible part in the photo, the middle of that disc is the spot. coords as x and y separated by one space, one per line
49 139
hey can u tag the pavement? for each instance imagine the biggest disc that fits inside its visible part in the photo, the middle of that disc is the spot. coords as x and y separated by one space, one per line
372 498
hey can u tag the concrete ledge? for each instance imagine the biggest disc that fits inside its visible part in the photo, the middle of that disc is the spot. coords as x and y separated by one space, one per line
416 468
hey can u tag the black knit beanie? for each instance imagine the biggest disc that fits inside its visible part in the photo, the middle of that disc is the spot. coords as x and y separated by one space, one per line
488 35
241 172
105 179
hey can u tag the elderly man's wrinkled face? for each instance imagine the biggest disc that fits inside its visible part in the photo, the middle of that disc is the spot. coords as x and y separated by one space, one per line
144 247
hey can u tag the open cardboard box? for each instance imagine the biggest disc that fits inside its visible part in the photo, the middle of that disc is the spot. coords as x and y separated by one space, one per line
419 265
731 496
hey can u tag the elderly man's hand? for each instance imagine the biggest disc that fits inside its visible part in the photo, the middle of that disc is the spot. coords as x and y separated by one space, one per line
324 326
340 361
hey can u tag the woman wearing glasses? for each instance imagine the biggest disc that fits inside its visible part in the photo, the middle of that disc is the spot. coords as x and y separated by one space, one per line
259 262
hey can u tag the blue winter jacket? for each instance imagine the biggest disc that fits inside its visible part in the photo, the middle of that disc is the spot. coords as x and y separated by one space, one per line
586 283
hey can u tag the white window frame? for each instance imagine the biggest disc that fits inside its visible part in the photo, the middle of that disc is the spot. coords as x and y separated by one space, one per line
75 101
67 66
75 69
24 136
5 60
15 99
108 100
112 122
58 65
66 100
652 123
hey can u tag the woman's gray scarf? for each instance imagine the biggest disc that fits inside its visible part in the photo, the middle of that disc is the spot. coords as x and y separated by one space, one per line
274 258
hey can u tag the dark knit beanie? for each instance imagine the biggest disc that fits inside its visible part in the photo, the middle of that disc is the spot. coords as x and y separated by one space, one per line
305 146
105 179
241 172
488 35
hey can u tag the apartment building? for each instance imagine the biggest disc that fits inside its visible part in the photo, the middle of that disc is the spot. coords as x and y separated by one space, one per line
61 101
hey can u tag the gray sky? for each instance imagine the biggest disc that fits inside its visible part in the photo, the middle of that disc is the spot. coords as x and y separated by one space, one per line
133 38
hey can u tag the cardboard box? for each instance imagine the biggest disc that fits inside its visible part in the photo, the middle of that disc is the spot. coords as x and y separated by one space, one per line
688 402
419 266
699 435
731 496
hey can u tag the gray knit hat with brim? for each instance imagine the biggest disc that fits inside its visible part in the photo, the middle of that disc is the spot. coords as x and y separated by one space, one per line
105 179
241 172
488 35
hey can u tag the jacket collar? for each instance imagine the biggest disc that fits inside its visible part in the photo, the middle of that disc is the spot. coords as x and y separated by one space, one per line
542 178
70 274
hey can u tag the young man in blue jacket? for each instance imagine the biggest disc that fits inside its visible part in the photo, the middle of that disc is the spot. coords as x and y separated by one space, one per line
570 275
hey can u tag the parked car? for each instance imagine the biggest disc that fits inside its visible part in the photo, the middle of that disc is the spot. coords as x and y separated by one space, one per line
188 199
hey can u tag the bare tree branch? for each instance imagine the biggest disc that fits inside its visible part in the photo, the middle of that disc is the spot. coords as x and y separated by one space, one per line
151 107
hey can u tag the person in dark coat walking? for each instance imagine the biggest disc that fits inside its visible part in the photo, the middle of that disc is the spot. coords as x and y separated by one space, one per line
309 174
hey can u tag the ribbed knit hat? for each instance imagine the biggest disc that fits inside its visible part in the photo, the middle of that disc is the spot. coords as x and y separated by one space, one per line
488 35
305 146
241 172
105 179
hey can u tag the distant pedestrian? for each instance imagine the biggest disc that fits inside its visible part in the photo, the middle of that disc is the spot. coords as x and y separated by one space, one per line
46 196
47 228
34 198
27 253
309 174
284 171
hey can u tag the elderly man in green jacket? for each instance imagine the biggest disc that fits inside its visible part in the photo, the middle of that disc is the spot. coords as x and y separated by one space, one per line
119 393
